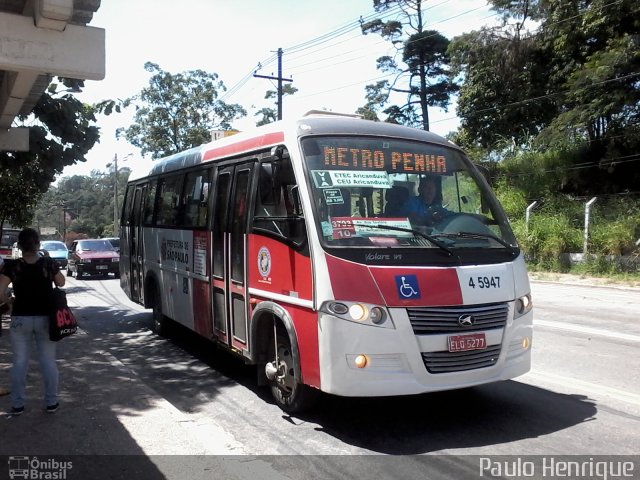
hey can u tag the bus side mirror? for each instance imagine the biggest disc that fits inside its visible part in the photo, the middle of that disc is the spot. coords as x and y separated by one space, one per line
295 197
485 172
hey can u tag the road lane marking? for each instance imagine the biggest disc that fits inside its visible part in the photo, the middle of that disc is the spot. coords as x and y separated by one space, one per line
588 330
589 387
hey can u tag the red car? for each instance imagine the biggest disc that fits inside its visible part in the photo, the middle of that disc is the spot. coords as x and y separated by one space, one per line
93 257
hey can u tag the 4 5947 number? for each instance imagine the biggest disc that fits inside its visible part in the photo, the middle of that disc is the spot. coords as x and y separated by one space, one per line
484 282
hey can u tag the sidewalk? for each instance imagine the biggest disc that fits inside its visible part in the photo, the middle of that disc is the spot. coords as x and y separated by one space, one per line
104 410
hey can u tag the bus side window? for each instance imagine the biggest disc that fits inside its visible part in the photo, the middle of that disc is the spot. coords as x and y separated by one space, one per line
150 203
269 202
277 208
169 205
195 198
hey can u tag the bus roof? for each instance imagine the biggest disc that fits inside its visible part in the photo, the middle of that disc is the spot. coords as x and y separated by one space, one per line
314 122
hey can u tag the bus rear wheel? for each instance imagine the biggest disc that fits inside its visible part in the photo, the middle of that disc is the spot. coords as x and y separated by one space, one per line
289 393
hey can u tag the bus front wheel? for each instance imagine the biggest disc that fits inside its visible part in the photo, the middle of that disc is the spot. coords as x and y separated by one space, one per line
289 393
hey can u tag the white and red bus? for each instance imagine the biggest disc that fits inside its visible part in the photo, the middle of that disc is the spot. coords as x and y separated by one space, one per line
289 246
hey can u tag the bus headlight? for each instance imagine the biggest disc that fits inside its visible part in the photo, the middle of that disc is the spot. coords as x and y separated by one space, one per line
358 312
363 313
523 305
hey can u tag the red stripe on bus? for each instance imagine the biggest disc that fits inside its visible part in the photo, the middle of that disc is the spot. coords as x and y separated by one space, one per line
244 146
435 286
379 285
352 281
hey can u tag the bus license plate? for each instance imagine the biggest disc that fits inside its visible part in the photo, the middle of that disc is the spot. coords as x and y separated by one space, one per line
102 267
462 343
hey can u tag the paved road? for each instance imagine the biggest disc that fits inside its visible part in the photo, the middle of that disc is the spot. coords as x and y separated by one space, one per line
155 396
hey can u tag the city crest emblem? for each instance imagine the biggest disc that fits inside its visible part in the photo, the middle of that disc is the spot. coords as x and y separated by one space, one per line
264 262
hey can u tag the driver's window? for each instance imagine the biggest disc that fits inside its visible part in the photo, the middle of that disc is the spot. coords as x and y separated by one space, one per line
277 207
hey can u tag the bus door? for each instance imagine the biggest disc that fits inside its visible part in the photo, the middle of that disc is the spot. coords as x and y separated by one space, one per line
136 251
229 243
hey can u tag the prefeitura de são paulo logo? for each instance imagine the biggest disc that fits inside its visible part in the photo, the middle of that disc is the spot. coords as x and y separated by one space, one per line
264 261
38 468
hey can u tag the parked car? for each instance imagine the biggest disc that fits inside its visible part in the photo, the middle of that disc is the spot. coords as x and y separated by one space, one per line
56 250
115 242
93 257
9 237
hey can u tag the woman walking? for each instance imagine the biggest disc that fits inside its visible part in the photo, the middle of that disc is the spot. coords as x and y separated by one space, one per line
33 277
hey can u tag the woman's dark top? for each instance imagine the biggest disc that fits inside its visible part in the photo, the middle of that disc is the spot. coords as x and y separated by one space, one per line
32 285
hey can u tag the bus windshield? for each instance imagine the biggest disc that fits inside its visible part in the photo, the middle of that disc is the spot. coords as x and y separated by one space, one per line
383 192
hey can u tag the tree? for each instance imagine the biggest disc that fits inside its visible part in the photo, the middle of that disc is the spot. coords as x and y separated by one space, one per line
18 196
572 85
424 76
595 60
178 111
502 67
82 204
61 132
270 115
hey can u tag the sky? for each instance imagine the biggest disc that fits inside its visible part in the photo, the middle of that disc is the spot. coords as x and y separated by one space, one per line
325 54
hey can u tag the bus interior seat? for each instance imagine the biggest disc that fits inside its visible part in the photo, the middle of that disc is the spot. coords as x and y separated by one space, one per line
396 197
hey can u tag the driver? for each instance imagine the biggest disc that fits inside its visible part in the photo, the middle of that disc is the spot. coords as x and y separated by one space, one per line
426 208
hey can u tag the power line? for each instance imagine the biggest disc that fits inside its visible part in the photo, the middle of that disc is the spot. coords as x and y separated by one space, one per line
614 161
340 31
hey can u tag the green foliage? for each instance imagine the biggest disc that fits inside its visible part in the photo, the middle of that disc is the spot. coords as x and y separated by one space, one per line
178 111
423 77
270 115
61 132
570 84
611 238
19 197
500 70
82 205
556 228
514 200
547 237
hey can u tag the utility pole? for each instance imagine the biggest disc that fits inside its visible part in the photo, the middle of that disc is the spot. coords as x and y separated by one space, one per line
116 210
115 196
279 79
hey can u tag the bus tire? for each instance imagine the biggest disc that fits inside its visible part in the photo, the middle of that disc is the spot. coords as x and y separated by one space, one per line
290 394
160 323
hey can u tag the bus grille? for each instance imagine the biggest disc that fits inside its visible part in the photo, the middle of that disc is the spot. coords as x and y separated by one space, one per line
438 320
445 362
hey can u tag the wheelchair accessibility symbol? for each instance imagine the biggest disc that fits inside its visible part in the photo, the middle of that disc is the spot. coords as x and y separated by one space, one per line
407 286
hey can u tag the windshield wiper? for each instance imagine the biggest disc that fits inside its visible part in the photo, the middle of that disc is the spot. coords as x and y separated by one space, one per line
431 239
478 236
